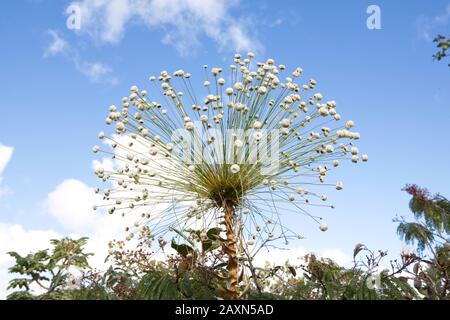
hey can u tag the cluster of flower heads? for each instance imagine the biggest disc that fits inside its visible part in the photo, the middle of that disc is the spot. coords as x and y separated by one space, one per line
164 189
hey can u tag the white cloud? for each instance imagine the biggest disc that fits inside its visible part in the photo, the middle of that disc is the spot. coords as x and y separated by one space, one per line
428 27
96 72
5 157
57 46
182 21
337 255
71 203
106 163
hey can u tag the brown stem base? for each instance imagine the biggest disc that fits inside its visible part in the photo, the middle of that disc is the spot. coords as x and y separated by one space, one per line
229 247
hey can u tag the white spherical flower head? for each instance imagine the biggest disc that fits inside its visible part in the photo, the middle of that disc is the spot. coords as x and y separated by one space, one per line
96 149
221 81
262 90
323 111
189 125
285 123
239 86
251 242
101 135
339 186
134 89
239 106
365 157
238 143
229 91
323 227
354 150
169 146
329 148
258 135
204 118
120 127
318 96
235 168
284 131
216 71
153 151
178 73
257 125
349 124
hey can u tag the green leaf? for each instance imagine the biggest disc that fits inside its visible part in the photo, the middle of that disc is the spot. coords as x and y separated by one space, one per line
182 249
292 270
213 233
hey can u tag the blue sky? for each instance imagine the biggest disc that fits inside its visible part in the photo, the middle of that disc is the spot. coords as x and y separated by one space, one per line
53 100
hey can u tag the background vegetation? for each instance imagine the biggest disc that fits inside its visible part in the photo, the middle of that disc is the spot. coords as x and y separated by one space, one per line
63 272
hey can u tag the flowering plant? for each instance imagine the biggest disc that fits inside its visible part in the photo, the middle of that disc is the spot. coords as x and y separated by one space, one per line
229 161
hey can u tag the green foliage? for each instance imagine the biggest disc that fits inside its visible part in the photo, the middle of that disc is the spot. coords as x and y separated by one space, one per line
432 215
430 231
197 271
50 271
182 249
93 292
157 286
442 44
323 279
413 232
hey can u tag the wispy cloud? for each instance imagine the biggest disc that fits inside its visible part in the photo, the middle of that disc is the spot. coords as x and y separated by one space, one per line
428 27
57 46
96 72
183 22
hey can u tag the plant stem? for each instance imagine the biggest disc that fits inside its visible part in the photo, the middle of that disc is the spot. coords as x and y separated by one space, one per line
229 247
